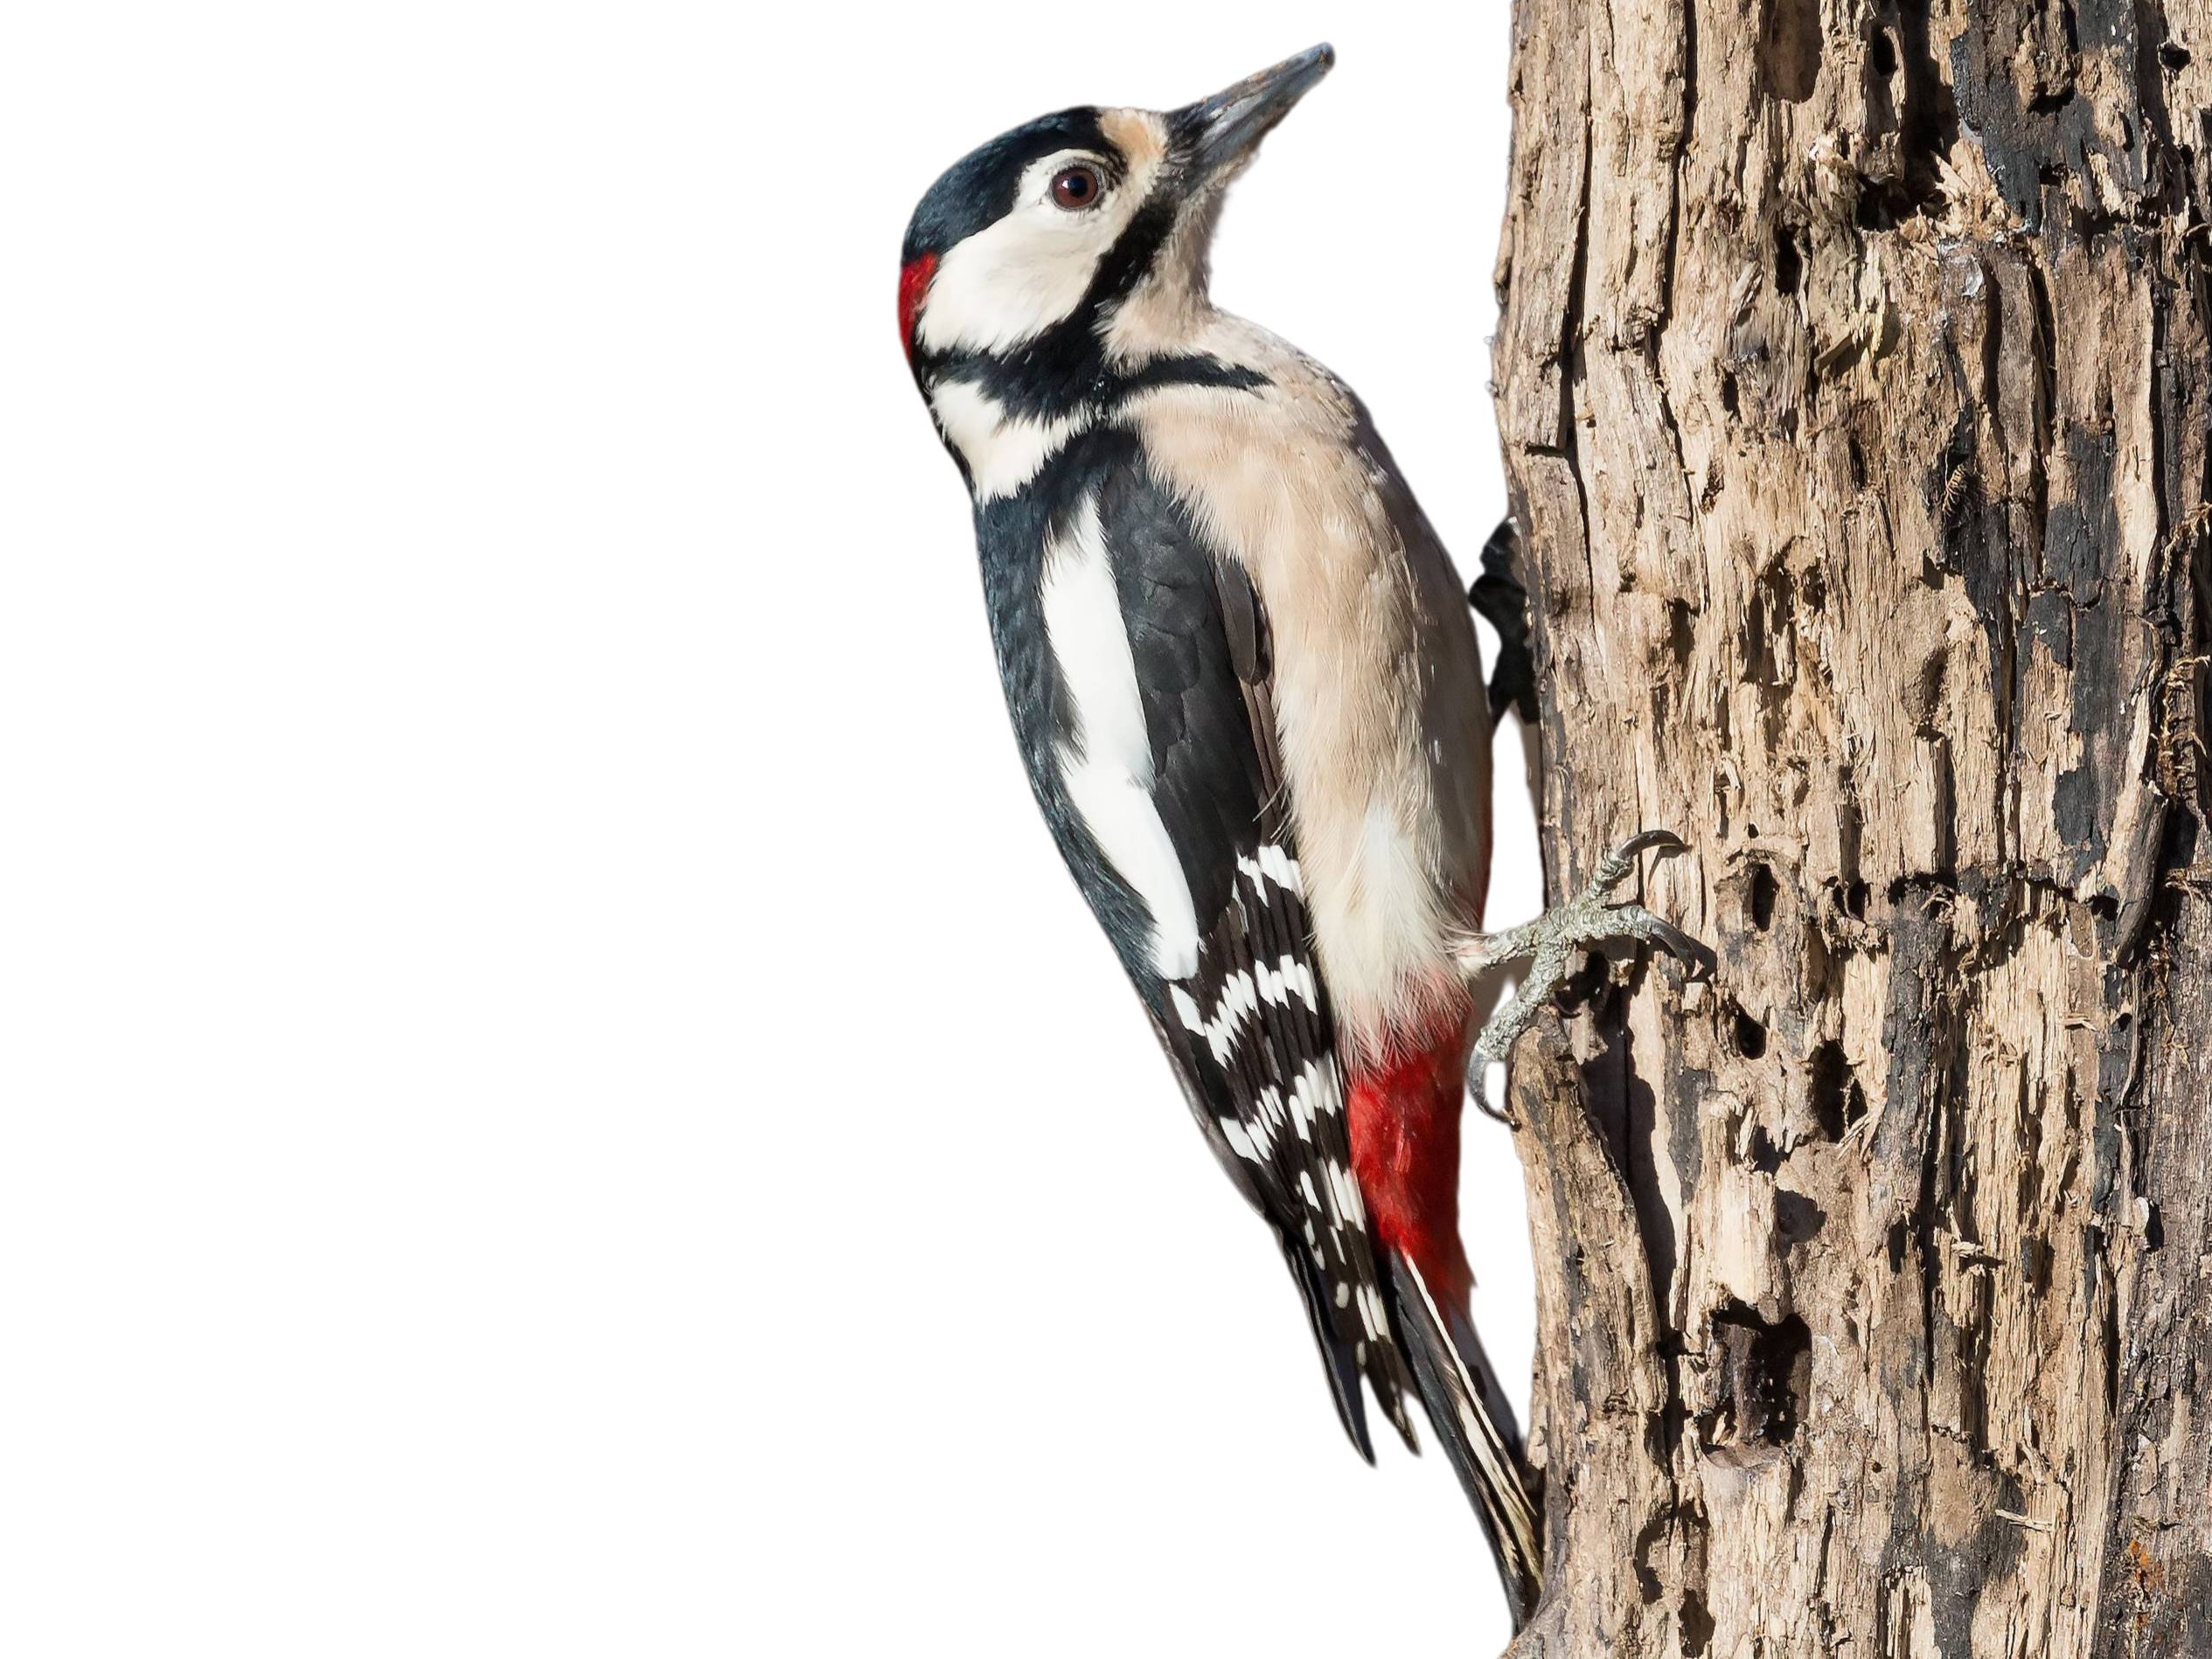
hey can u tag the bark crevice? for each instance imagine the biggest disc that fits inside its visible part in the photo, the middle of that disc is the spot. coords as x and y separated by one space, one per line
1863 447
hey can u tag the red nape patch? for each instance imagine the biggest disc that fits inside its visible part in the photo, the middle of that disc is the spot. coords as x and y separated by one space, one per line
1404 1115
914 282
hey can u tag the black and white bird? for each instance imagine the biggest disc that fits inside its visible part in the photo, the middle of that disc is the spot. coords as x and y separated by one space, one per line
1244 679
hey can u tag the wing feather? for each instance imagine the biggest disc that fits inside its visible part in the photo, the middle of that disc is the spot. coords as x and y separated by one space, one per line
1251 1029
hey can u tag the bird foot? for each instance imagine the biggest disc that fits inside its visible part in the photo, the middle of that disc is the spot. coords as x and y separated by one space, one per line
1589 920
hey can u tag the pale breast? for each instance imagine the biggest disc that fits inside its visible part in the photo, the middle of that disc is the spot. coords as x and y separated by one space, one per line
1379 693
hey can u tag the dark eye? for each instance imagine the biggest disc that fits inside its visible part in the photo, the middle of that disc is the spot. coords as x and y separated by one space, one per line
1077 187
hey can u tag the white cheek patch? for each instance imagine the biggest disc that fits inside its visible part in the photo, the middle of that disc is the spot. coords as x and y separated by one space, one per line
1014 279
1107 769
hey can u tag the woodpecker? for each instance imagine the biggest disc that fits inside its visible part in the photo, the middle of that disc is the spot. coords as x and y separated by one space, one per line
1245 683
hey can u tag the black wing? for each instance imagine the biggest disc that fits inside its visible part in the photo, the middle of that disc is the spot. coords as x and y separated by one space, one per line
1251 1032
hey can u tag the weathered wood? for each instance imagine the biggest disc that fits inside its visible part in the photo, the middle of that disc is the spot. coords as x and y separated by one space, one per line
1856 393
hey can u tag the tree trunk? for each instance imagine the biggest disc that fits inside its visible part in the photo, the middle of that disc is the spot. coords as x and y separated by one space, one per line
1857 395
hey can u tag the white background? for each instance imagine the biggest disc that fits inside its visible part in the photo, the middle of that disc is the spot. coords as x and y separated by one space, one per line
557 1100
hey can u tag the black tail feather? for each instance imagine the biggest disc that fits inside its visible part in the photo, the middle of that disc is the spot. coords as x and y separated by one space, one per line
1475 1424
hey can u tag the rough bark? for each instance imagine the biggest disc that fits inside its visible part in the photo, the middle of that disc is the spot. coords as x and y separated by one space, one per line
1855 390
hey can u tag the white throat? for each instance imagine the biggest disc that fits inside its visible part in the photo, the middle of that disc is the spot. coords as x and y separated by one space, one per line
1003 451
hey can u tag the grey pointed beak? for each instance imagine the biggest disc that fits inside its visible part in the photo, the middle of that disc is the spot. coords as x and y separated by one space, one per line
1223 130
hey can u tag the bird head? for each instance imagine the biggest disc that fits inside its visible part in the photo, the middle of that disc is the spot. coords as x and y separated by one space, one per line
1075 246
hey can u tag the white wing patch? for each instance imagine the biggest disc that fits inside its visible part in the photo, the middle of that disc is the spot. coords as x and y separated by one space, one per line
1107 769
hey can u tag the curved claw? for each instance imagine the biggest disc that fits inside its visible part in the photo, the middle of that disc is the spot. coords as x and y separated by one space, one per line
1693 954
1475 1062
1633 923
1646 840
1613 869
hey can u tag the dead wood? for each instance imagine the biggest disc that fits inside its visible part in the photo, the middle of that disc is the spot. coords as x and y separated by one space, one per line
1856 393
